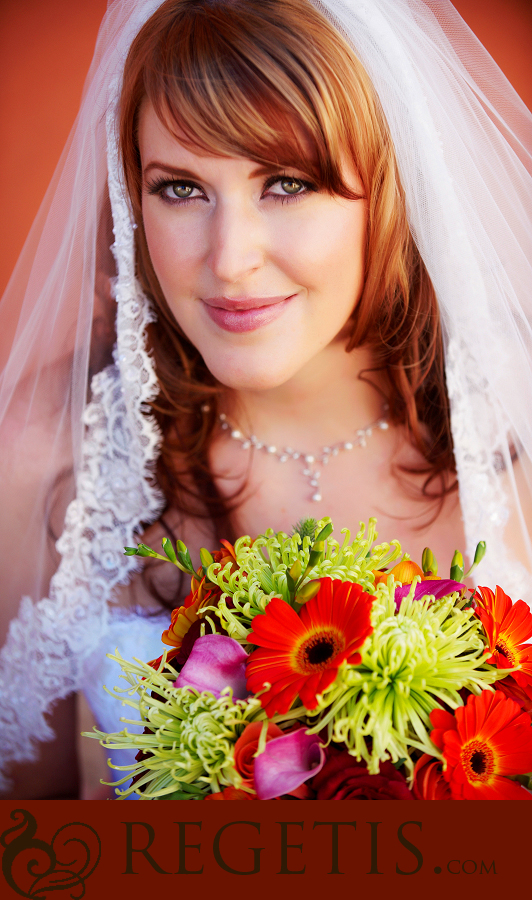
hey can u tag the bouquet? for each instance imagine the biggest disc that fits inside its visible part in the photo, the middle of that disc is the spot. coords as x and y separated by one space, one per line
301 667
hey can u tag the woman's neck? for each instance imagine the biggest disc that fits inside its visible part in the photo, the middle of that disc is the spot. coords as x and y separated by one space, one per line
324 403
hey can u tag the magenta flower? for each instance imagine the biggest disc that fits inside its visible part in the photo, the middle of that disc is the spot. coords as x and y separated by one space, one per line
286 763
437 587
215 662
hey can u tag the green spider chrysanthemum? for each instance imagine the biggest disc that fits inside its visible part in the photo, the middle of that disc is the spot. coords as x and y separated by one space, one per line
415 660
189 748
263 566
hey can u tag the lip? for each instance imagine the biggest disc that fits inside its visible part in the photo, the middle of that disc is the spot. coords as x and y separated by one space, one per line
241 314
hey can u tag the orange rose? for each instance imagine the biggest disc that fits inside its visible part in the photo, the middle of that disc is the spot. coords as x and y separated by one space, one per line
246 747
231 793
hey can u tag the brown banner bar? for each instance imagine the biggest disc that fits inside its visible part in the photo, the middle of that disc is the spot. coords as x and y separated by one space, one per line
202 849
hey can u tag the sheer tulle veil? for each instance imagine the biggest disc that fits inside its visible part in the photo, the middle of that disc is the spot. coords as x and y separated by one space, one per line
73 425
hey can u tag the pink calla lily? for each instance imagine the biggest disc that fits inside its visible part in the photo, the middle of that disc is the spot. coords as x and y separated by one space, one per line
436 587
286 763
215 662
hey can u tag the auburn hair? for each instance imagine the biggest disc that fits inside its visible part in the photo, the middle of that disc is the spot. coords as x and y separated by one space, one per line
275 82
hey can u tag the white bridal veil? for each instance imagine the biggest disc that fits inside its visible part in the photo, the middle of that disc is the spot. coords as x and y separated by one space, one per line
72 418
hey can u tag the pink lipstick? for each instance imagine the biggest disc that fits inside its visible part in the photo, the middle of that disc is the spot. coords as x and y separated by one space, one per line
242 314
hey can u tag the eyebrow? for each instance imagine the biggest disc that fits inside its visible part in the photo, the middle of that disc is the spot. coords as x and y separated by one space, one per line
187 173
172 170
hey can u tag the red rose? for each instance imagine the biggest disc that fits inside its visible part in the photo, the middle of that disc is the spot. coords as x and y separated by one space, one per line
343 778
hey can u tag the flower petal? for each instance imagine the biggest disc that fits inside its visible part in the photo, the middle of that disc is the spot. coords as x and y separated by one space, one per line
434 587
286 763
216 662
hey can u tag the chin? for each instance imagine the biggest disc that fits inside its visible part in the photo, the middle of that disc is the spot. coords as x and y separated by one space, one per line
249 375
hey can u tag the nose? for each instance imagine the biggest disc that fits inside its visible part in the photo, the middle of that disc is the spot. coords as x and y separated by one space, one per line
237 240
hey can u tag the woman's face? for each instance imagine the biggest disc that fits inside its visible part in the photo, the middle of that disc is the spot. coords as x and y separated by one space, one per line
261 270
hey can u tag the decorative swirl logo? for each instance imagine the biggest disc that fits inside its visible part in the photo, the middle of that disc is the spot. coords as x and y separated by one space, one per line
33 868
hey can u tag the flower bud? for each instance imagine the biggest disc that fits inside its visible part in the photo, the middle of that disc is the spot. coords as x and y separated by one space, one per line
324 533
169 550
480 552
206 558
143 550
428 562
457 566
183 557
307 592
295 570
479 556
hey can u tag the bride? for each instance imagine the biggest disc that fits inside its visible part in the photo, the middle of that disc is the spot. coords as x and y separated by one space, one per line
306 225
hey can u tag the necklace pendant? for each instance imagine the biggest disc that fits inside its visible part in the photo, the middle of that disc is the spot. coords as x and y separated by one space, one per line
311 470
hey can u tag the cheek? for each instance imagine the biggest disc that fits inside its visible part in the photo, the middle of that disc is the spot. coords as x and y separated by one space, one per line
175 250
327 253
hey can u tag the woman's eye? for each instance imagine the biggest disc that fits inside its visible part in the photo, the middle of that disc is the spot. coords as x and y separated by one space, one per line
289 186
174 191
285 187
292 185
179 189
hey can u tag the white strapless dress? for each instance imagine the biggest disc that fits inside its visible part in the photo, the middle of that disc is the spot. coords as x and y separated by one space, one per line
133 634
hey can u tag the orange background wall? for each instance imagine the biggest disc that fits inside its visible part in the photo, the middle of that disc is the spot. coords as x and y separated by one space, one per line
45 51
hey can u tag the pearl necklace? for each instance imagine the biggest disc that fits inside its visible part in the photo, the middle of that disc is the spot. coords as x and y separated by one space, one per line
311 471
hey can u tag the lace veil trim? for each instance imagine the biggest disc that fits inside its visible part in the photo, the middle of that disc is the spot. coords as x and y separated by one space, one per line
115 492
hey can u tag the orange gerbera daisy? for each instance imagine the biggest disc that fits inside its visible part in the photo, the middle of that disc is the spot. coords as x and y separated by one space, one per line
300 654
485 741
202 593
507 626
182 619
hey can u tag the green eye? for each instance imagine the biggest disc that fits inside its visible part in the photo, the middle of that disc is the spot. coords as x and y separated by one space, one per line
291 185
182 190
